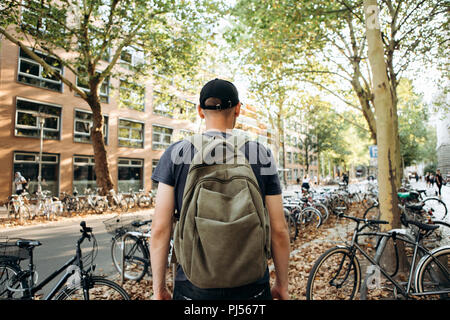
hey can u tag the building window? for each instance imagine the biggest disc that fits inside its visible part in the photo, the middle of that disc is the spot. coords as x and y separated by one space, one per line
131 56
130 175
27 163
84 173
103 92
82 126
132 95
161 137
289 157
131 133
28 115
154 164
170 106
31 72
289 174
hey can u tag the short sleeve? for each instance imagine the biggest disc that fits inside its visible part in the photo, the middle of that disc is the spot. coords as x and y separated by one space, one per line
164 171
272 180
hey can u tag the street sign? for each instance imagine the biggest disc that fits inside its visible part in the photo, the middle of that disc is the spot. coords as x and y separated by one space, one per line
373 150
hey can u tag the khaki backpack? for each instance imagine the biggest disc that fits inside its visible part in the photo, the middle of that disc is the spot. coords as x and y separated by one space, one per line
222 239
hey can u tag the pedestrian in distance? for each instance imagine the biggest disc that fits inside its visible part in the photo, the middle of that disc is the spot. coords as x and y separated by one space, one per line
305 183
439 182
20 183
427 179
345 178
227 206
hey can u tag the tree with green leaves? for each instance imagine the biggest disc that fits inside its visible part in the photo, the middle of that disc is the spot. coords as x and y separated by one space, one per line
324 43
321 129
100 39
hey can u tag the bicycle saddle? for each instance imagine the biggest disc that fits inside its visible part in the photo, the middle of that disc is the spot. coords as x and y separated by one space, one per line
22 243
415 207
423 226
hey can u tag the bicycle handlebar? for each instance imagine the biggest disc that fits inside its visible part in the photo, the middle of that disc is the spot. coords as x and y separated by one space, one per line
85 232
364 220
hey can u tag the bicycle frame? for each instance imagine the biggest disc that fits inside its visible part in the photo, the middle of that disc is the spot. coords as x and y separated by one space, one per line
76 260
33 289
382 243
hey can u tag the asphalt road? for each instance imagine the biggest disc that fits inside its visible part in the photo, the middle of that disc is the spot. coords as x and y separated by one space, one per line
59 241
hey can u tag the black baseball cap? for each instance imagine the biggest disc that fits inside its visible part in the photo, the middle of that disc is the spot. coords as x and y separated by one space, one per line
221 89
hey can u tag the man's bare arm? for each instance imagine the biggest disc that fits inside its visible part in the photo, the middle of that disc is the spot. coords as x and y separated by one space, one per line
280 245
160 239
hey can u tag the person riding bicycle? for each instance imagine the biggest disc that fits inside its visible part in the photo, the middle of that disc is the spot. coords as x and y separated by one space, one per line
219 106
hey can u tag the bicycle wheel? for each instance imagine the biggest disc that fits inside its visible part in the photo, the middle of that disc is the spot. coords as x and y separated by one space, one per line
292 226
137 258
123 204
310 216
323 211
433 274
336 275
98 289
436 206
100 206
11 287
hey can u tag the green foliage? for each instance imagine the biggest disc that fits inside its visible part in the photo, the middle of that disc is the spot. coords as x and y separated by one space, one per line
430 168
146 37
416 139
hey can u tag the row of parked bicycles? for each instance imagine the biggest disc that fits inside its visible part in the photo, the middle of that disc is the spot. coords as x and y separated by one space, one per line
303 208
30 206
424 237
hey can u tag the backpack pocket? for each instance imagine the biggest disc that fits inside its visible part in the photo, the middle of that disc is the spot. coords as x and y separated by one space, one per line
228 254
219 206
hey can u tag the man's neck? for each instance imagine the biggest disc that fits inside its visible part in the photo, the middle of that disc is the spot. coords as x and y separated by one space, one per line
220 129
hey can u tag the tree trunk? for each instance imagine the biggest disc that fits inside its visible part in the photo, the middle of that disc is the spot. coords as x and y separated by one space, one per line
103 176
386 135
280 130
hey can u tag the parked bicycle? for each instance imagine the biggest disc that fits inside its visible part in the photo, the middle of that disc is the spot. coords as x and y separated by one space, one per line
78 283
131 239
71 203
117 201
19 206
94 202
47 205
338 270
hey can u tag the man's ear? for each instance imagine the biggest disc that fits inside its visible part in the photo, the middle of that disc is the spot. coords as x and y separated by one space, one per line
237 110
200 112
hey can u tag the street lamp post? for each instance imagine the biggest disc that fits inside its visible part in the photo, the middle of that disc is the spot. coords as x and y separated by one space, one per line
41 117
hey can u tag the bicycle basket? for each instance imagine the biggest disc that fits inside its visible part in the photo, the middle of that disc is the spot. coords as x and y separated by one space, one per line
121 224
9 251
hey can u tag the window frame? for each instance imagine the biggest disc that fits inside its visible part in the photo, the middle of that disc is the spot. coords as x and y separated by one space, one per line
105 127
162 135
41 70
127 103
21 126
129 134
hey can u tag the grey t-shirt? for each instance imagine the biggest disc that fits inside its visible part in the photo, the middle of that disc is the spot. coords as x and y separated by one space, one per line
174 173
